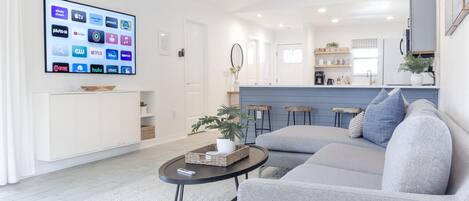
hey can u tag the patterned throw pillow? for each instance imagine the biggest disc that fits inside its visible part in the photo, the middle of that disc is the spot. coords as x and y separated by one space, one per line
382 116
355 127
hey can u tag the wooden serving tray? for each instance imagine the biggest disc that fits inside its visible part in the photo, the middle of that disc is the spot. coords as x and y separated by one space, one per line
198 156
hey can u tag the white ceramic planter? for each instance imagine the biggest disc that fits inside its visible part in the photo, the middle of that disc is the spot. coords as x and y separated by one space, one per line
235 85
225 146
416 79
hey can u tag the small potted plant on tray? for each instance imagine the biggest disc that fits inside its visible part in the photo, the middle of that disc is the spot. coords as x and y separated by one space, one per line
416 65
228 122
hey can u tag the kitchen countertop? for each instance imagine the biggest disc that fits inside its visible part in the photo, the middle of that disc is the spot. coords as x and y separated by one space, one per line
340 86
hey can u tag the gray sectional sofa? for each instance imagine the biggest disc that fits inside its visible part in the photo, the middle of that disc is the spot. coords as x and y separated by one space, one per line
329 165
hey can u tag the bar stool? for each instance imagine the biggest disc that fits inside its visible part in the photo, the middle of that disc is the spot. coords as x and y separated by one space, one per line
339 111
255 109
295 109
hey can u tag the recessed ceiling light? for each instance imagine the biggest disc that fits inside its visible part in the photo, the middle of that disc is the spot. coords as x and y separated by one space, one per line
322 10
389 17
335 20
259 15
281 25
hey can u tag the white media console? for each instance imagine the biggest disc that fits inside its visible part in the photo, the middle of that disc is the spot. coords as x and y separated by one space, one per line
72 124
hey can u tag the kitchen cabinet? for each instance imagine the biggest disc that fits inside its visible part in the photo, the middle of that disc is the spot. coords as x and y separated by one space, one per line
67 125
423 26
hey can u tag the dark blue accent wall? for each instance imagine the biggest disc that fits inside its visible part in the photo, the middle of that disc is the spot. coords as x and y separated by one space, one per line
321 99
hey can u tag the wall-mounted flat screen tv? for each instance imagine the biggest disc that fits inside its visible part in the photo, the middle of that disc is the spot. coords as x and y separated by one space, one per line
81 38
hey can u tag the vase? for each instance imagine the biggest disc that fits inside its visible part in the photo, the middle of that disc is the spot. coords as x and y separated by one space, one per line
236 85
225 146
416 79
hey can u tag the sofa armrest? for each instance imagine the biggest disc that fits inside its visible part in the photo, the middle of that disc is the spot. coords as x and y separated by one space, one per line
277 190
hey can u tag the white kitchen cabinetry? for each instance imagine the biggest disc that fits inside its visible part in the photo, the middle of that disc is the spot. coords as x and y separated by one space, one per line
73 124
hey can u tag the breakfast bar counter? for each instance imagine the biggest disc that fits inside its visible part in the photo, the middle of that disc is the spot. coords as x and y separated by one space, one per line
321 99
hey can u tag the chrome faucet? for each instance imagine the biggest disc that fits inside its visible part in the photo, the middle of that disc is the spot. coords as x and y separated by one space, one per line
369 74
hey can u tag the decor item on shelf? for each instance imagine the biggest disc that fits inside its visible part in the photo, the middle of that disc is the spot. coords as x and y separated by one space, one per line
143 108
237 60
228 122
416 65
208 155
147 132
98 88
332 47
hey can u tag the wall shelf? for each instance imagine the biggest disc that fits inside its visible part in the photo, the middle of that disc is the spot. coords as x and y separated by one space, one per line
332 53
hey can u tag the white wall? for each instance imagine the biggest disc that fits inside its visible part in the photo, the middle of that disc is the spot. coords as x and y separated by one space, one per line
344 35
454 71
163 74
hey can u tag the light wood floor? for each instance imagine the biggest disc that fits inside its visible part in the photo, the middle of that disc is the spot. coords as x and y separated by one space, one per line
87 181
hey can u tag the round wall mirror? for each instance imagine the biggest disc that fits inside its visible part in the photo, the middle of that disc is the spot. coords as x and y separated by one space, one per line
237 56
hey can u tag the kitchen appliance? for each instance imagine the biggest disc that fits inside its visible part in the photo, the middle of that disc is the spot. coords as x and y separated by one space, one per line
319 78
330 81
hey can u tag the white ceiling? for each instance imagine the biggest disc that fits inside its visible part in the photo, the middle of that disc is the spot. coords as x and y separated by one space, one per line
296 13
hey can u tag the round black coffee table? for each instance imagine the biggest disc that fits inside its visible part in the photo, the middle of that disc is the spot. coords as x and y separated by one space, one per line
206 174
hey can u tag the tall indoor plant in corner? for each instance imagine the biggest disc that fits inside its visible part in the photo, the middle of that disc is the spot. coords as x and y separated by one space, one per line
228 122
416 65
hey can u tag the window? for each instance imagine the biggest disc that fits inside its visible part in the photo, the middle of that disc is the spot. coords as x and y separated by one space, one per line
293 56
365 56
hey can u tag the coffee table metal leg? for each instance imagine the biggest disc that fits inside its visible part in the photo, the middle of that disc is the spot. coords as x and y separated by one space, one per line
247 176
181 196
236 182
177 193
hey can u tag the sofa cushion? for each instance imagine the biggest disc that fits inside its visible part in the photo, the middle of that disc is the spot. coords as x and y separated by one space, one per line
355 128
418 158
349 157
319 174
382 118
307 139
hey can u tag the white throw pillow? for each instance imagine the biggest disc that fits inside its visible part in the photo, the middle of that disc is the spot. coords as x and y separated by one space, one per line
355 127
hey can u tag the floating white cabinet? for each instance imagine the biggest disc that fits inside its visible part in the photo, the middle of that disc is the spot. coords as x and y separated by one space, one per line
67 125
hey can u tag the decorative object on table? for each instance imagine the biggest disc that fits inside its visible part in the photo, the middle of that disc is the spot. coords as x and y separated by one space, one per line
203 157
98 88
332 47
228 122
455 12
330 81
237 61
143 108
147 132
355 128
416 65
164 43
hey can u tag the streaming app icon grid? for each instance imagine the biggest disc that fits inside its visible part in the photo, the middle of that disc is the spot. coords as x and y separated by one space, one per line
98 32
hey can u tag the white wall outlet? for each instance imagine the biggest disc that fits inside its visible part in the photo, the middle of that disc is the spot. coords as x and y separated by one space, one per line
258 115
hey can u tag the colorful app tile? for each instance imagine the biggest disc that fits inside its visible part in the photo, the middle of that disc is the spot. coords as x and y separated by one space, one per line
78 34
78 16
59 31
112 54
112 38
126 55
79 51
96 19
126 40
60 50
60 67
111 22
95 68
126 25
112 69
96 53
95 36
79 68
126 70
59 12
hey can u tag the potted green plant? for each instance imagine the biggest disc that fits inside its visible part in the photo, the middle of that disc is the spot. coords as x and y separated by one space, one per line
332 46
235 73
228 122
416 65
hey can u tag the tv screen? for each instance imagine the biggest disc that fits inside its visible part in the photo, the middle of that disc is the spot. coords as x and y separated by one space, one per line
85 39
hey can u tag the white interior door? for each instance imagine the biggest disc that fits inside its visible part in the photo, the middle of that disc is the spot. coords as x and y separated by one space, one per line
290 63
195 71
253 62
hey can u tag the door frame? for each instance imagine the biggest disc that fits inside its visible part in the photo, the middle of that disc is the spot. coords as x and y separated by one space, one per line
276 58
205 69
